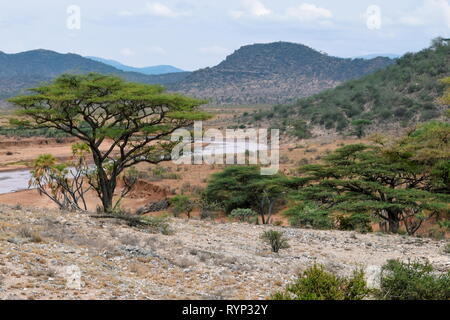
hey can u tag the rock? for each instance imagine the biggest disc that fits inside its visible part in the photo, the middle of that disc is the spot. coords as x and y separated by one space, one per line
153 207
72 274
138 252
373 276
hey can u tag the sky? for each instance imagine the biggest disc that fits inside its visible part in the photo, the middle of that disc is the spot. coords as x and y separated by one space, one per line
193 34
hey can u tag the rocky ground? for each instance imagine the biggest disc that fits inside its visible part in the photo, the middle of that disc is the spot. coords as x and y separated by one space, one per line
40 249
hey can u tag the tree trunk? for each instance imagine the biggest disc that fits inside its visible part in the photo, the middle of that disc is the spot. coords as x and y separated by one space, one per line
104 188
394 222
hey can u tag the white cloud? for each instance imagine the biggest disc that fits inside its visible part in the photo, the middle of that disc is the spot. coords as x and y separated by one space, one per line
431 12
256 8
214 50
308 12
161 10
127 52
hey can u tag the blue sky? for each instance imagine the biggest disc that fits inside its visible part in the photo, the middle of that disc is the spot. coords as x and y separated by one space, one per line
193 34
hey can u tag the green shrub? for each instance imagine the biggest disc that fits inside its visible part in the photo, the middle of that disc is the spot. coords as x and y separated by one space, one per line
308 215
413 281
243 214
181 204
301 130
161 173
317 284
209 209
275 239
446 249
358 221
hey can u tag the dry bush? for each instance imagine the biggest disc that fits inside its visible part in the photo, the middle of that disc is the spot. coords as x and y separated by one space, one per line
129 240
183 262
138 268
28 233
42 273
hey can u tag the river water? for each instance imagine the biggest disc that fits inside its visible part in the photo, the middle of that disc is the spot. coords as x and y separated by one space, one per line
12 181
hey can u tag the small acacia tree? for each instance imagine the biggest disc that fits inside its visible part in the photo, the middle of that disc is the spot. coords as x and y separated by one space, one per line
359 126
181 204
244 187
122 123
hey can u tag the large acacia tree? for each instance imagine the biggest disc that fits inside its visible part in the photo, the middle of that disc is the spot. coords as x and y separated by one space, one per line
132 120
393 183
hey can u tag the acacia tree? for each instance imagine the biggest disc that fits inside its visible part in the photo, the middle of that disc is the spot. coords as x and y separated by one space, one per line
122 123
369 179
244 187
360 126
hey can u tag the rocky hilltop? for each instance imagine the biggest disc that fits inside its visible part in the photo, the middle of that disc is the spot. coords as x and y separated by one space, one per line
274 73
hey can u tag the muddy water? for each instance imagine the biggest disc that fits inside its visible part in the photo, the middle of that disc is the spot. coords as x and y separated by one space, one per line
13 181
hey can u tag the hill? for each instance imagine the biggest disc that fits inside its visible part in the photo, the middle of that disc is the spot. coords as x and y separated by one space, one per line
26 69
153 70
274 73
256 74
404 93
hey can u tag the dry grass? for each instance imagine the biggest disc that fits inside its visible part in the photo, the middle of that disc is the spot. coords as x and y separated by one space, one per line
29 234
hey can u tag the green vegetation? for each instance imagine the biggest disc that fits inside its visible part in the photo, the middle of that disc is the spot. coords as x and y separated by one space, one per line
398 281
275 239
405 92
244 215
357 221
402 183
317 284
413 281
63 185
181 204
359 126
309 215
209 209
244 187
131 115
446 249
27 133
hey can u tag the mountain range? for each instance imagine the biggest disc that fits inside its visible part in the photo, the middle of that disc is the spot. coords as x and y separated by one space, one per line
271 73
153 70
24 70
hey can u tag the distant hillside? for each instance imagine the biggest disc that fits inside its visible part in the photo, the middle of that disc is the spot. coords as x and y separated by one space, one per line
27 69
403 93
376 55
274 73
154 70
